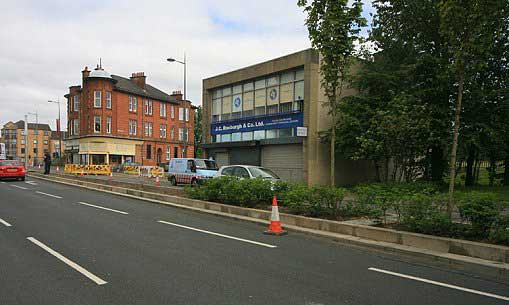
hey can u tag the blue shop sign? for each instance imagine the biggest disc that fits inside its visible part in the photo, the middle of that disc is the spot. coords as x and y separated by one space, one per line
286 120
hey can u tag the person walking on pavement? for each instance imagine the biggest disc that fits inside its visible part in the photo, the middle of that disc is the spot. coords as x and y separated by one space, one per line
47 163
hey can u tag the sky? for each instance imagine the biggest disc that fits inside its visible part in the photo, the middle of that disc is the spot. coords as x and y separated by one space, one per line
44 45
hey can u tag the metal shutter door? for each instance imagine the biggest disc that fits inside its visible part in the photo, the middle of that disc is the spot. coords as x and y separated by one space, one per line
285 160
222 159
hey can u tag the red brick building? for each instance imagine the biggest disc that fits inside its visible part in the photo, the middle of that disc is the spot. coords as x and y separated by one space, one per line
113 119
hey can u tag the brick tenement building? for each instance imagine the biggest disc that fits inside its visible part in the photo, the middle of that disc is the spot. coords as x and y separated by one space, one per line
113 119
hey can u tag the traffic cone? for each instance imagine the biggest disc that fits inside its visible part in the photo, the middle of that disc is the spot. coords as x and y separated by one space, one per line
275 225
111 176
58 170
39 167
157 180
82 173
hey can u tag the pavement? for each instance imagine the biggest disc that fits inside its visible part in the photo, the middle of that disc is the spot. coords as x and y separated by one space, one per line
65 245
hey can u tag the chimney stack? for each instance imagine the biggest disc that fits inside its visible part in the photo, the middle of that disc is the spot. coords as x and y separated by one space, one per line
177 95
85 73
139 79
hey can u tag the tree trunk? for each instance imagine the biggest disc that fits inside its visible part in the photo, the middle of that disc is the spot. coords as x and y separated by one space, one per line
492 171
454 149
333 151
506 171
470 178
377 171
386 174
437 164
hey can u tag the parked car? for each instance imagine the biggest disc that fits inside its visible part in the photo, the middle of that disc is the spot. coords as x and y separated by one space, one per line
191 171
247 172
12 169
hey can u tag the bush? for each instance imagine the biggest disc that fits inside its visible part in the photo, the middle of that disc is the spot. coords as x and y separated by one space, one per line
481 210
500 232
426 214
318 201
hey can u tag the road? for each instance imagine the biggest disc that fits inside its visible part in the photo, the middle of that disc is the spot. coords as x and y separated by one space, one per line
65 245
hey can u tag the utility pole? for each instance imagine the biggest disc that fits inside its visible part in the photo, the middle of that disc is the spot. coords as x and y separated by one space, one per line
27 150
36 136
186 113
59 129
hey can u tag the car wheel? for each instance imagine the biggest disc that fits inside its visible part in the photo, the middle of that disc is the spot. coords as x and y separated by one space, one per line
22 178
173 181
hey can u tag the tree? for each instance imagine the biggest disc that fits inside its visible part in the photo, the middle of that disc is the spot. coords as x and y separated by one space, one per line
334 28
470 28
198 132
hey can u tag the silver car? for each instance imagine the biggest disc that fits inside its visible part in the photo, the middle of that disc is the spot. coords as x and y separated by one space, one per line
247 172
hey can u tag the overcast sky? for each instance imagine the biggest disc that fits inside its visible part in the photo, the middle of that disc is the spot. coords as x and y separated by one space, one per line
44 45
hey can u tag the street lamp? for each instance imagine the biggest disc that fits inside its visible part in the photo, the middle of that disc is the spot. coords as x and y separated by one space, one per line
36 136
186 133
59 131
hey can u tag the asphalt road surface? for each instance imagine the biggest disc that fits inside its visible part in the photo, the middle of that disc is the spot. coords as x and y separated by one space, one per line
66 245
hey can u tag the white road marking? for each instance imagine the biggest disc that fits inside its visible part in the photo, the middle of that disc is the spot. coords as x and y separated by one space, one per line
67 261
218 234
46 194
5 223
31 182
491 295
103 208
2 182
20 187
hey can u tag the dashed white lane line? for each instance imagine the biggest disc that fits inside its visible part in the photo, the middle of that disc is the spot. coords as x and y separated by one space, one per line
218 234
50 195
2 182
31 182
102 208
5 223
67 261
20 187
415 278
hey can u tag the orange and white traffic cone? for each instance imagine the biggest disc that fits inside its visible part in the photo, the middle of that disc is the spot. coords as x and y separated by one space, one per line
58 170
39 167
111 176
275 225
157 180
82 173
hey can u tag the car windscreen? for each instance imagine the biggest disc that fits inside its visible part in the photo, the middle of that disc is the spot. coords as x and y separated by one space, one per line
262 173
10 163
205 164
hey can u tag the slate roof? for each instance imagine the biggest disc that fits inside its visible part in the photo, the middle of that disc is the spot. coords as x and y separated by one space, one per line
126 85
31 126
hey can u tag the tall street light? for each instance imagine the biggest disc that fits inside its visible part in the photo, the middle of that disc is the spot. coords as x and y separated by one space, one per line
186 133
36 136
59 131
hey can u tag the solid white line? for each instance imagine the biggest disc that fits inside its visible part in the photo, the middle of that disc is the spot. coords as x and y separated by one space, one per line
5 223
67 261
2 182
491 295
103 208
46 194
218 234
20 187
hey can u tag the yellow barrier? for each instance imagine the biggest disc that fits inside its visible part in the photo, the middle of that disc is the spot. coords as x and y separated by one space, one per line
131 170
79 169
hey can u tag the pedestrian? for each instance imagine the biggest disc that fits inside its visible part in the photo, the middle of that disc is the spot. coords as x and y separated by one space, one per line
47 163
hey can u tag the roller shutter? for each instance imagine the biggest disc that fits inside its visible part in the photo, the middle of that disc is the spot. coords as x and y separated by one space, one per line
222 159
285 160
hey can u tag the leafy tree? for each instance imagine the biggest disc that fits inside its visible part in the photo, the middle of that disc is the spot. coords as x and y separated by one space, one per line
470 28
333 27
198 132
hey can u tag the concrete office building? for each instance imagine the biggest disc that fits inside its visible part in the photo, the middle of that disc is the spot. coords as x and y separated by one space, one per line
271 114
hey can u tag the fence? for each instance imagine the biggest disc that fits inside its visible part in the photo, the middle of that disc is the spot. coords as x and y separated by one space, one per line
145 171
79 169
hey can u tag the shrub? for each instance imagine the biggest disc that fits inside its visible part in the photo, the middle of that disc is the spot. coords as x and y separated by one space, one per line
481 210
500 232
426 214
316 201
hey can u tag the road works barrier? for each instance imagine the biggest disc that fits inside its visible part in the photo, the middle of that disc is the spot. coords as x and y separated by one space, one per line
78 169
144 171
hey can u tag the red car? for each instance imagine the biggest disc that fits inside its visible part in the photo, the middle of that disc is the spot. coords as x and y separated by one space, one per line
12 169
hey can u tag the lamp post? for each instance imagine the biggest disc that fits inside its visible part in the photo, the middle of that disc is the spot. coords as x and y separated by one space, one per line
186 133
36 136
59 131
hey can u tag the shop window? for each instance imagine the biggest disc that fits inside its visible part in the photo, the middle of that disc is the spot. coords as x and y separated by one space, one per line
271 134
259 134
226 138
213 139
237 136
247 136
285 132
